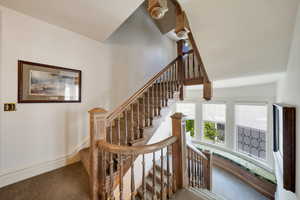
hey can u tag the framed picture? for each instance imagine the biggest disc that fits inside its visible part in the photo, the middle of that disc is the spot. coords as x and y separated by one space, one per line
284 145
40 83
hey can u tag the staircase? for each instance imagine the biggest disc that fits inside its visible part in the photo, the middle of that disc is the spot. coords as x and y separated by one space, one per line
157 183
119 139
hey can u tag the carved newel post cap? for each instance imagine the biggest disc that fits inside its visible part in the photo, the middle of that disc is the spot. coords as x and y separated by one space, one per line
97 110
177 116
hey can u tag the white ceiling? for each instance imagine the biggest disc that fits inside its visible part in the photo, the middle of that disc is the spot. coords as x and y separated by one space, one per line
242 37
236 37
96 19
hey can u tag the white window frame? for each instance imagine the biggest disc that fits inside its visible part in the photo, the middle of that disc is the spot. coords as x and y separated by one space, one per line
224 144
266 104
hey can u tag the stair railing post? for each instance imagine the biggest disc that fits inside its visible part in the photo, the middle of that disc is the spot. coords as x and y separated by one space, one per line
97 132
181 68
179 152
208 170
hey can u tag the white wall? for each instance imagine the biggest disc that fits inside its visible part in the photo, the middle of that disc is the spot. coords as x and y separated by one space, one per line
38 133
257 94
289 93
39 137
139 56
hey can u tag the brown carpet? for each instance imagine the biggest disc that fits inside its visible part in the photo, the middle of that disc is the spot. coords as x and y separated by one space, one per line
67 183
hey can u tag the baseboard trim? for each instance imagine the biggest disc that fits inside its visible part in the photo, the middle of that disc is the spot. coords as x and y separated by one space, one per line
14 176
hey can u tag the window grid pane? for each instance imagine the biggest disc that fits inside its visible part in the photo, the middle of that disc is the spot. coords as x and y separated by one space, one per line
250 139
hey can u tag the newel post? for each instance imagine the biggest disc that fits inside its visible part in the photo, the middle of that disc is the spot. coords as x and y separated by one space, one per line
97 132
179 151
208 170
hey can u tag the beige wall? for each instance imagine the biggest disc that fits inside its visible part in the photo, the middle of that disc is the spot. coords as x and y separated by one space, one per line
137 57
40 137
289 93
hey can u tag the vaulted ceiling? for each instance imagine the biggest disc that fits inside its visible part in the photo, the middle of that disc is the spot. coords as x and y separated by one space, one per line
96 19
242 37
236 37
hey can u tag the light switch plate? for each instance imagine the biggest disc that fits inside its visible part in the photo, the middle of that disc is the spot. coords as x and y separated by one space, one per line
10 107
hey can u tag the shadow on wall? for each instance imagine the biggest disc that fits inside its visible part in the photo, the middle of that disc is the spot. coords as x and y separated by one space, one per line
138 51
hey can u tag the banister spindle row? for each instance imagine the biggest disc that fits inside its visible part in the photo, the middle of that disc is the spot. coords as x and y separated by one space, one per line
196 165
164 169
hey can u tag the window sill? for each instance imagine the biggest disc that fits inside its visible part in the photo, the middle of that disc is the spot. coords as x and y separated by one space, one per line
222 147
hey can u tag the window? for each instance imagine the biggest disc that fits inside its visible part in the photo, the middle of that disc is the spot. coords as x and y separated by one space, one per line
251 129
188 109
214 120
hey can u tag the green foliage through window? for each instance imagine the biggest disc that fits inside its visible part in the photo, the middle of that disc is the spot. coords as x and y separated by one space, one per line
213 131
190 127
210 132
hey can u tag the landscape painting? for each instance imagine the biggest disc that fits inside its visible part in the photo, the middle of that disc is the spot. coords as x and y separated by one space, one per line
44 83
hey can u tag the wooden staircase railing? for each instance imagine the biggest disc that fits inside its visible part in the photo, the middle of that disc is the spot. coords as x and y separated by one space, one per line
133 122
129 123
124 153
199 168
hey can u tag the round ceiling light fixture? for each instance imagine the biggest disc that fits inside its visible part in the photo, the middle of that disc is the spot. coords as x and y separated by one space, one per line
158 12
182 34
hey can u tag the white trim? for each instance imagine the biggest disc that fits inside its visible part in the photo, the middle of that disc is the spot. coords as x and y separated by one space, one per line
238 154
12 176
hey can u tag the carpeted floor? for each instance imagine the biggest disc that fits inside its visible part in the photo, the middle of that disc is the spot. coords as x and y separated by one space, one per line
67 183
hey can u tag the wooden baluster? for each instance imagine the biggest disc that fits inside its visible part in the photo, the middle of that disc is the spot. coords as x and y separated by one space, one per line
166 90
188 66
198 171
111 175
175 76
168 84
162 90
162 174
151 111
121 176
193 171
158 97
126 127
146 109
154 100
162 103
104 175
194 72
189 164
153 178
196 165
143 179
138 131
202 175
131 123
119 129
132 178
111 133
172 82
142 116
168 173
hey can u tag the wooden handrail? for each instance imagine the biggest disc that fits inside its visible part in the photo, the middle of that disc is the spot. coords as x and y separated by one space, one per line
136 150
112 115
189 145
